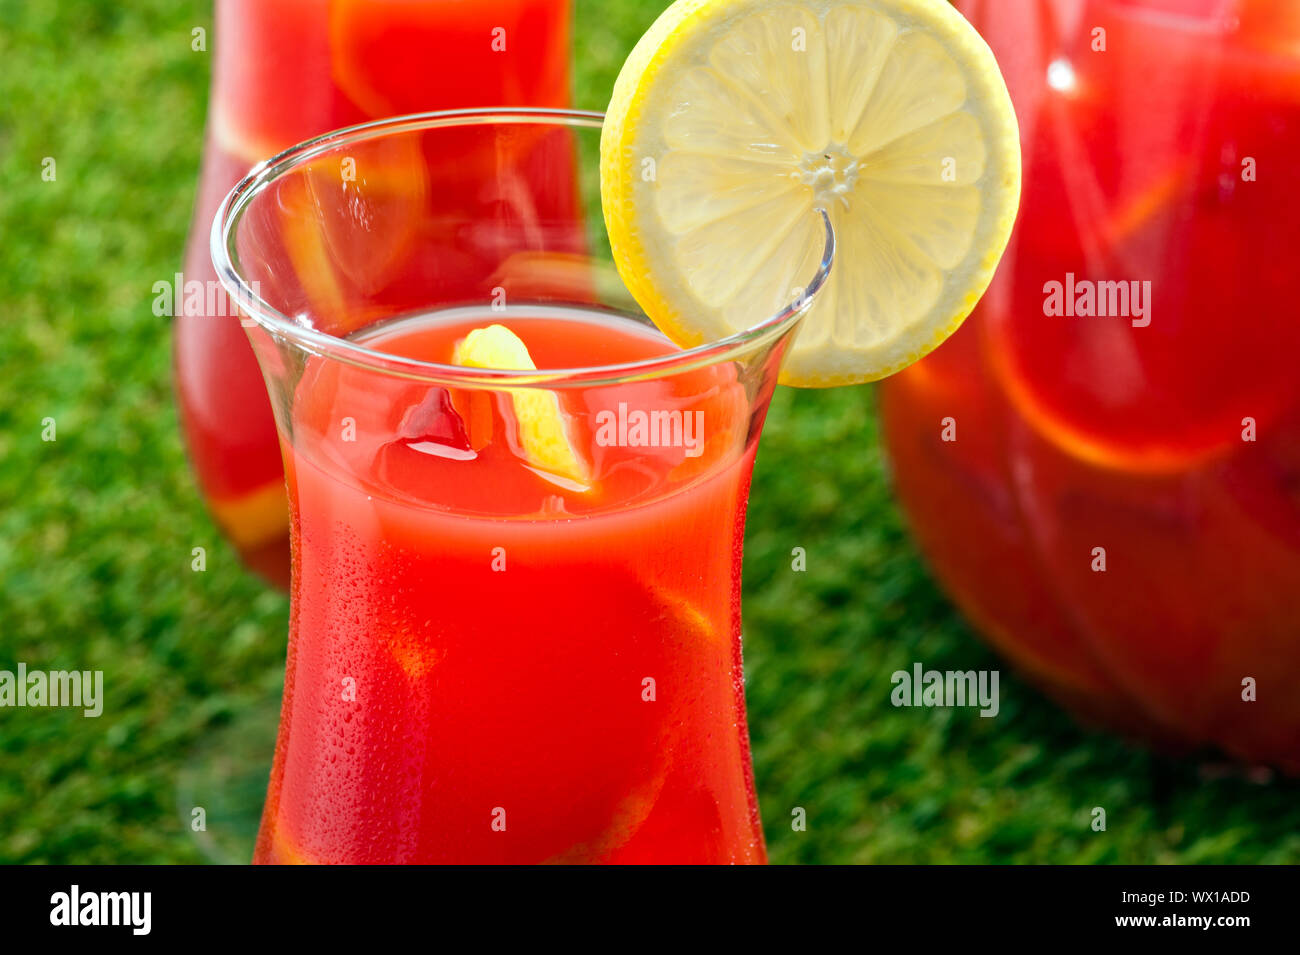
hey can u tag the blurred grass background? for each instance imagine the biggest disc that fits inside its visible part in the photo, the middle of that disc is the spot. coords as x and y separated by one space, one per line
96 531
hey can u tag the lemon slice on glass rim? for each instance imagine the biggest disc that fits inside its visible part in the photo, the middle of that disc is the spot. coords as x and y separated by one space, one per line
733 121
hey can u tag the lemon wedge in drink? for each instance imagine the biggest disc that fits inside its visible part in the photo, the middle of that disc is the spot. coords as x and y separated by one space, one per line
543 438
734 120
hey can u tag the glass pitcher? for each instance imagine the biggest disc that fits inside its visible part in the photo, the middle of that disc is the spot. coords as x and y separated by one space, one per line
1103 465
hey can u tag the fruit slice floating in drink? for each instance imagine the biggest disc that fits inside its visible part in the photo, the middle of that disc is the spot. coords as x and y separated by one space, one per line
540 426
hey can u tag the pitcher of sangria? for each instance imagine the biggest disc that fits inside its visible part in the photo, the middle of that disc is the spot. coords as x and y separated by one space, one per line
1103 465
284 71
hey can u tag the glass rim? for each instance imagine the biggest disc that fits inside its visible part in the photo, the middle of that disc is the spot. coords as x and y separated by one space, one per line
314 341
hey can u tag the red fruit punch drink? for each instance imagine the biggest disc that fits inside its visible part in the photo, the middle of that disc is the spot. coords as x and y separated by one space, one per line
1116 503
286 70
517 510
497 668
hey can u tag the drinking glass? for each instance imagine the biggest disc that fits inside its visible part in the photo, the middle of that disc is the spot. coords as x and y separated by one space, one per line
492 657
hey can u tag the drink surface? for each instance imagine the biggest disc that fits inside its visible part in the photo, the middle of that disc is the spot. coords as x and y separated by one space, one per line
287 70
1153 408
488 666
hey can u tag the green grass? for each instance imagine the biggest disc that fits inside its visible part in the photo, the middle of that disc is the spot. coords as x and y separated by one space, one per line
96 530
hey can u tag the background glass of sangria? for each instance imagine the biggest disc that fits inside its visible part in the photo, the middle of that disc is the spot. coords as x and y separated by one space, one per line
284 71
1111 489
